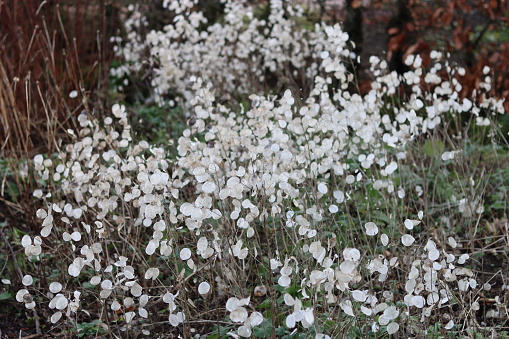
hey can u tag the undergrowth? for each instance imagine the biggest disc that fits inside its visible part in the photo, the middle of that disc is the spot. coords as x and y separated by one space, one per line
216 209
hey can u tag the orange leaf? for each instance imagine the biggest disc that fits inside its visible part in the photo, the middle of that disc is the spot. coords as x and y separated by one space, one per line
396 42
356 4
393 30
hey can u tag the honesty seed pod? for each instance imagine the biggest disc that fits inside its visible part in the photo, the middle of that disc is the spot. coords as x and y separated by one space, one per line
192 120
28 298
260 291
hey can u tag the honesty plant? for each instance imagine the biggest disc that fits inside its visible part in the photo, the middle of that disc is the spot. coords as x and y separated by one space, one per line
235 55
263 185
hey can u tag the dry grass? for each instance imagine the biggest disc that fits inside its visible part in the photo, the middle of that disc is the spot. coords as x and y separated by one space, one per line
48 50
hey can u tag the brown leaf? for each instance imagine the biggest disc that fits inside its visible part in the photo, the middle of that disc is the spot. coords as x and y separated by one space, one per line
436 14
418 48
393 30
356 3
396 42
460 36
447 19
409 27
495 57
498 226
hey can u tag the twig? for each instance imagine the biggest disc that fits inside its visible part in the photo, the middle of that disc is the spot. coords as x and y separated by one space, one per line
210 321
11 204
481 34
31 336
16 265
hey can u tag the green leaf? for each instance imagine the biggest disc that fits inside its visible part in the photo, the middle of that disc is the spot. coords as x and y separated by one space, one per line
264 304
292 289
433 148
281 330
263 270
264 330
379 216
88 285
222 332
5 295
